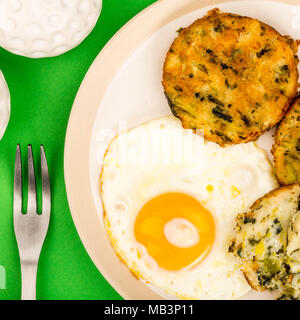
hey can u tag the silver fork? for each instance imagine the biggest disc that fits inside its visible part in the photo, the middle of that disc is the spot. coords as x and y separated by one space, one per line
30 228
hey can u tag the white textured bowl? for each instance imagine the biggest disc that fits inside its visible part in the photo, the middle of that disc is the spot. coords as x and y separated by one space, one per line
45 28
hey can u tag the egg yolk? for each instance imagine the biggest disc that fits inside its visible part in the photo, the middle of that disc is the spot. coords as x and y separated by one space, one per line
175 229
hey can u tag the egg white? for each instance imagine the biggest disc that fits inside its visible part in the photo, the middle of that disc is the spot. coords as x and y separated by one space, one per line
160 157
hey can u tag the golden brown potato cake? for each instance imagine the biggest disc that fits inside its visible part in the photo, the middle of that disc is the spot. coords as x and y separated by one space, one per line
267 242
233 77
286 149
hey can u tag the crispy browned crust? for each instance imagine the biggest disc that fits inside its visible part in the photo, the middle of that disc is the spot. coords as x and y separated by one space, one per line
113 241
286 148
248 268
258 202
272 194
211 84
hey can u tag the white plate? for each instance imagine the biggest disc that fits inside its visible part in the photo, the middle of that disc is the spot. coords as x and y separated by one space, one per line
123 89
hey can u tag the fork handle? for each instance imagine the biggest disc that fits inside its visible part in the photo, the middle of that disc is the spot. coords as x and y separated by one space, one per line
29 273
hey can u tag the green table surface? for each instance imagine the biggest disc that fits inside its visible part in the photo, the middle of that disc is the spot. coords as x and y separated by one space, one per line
42 94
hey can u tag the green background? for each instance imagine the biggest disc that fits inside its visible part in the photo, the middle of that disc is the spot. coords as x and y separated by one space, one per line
42 94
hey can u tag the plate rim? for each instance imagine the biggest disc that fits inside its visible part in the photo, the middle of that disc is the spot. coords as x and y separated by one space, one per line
77 142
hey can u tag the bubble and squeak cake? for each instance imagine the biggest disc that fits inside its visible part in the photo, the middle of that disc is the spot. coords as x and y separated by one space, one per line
170 201
231 76
268 242
286 149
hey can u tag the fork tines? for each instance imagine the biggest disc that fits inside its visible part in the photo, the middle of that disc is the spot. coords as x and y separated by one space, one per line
32 202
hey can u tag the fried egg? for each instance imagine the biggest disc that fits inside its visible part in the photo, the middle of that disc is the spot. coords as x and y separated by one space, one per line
40 28
170 200
4 105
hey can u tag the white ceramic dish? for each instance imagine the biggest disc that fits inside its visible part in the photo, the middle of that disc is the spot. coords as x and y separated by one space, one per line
123 89
4 105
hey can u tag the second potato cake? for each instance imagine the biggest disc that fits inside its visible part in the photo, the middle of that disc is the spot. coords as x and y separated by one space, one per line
286 149
233 77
